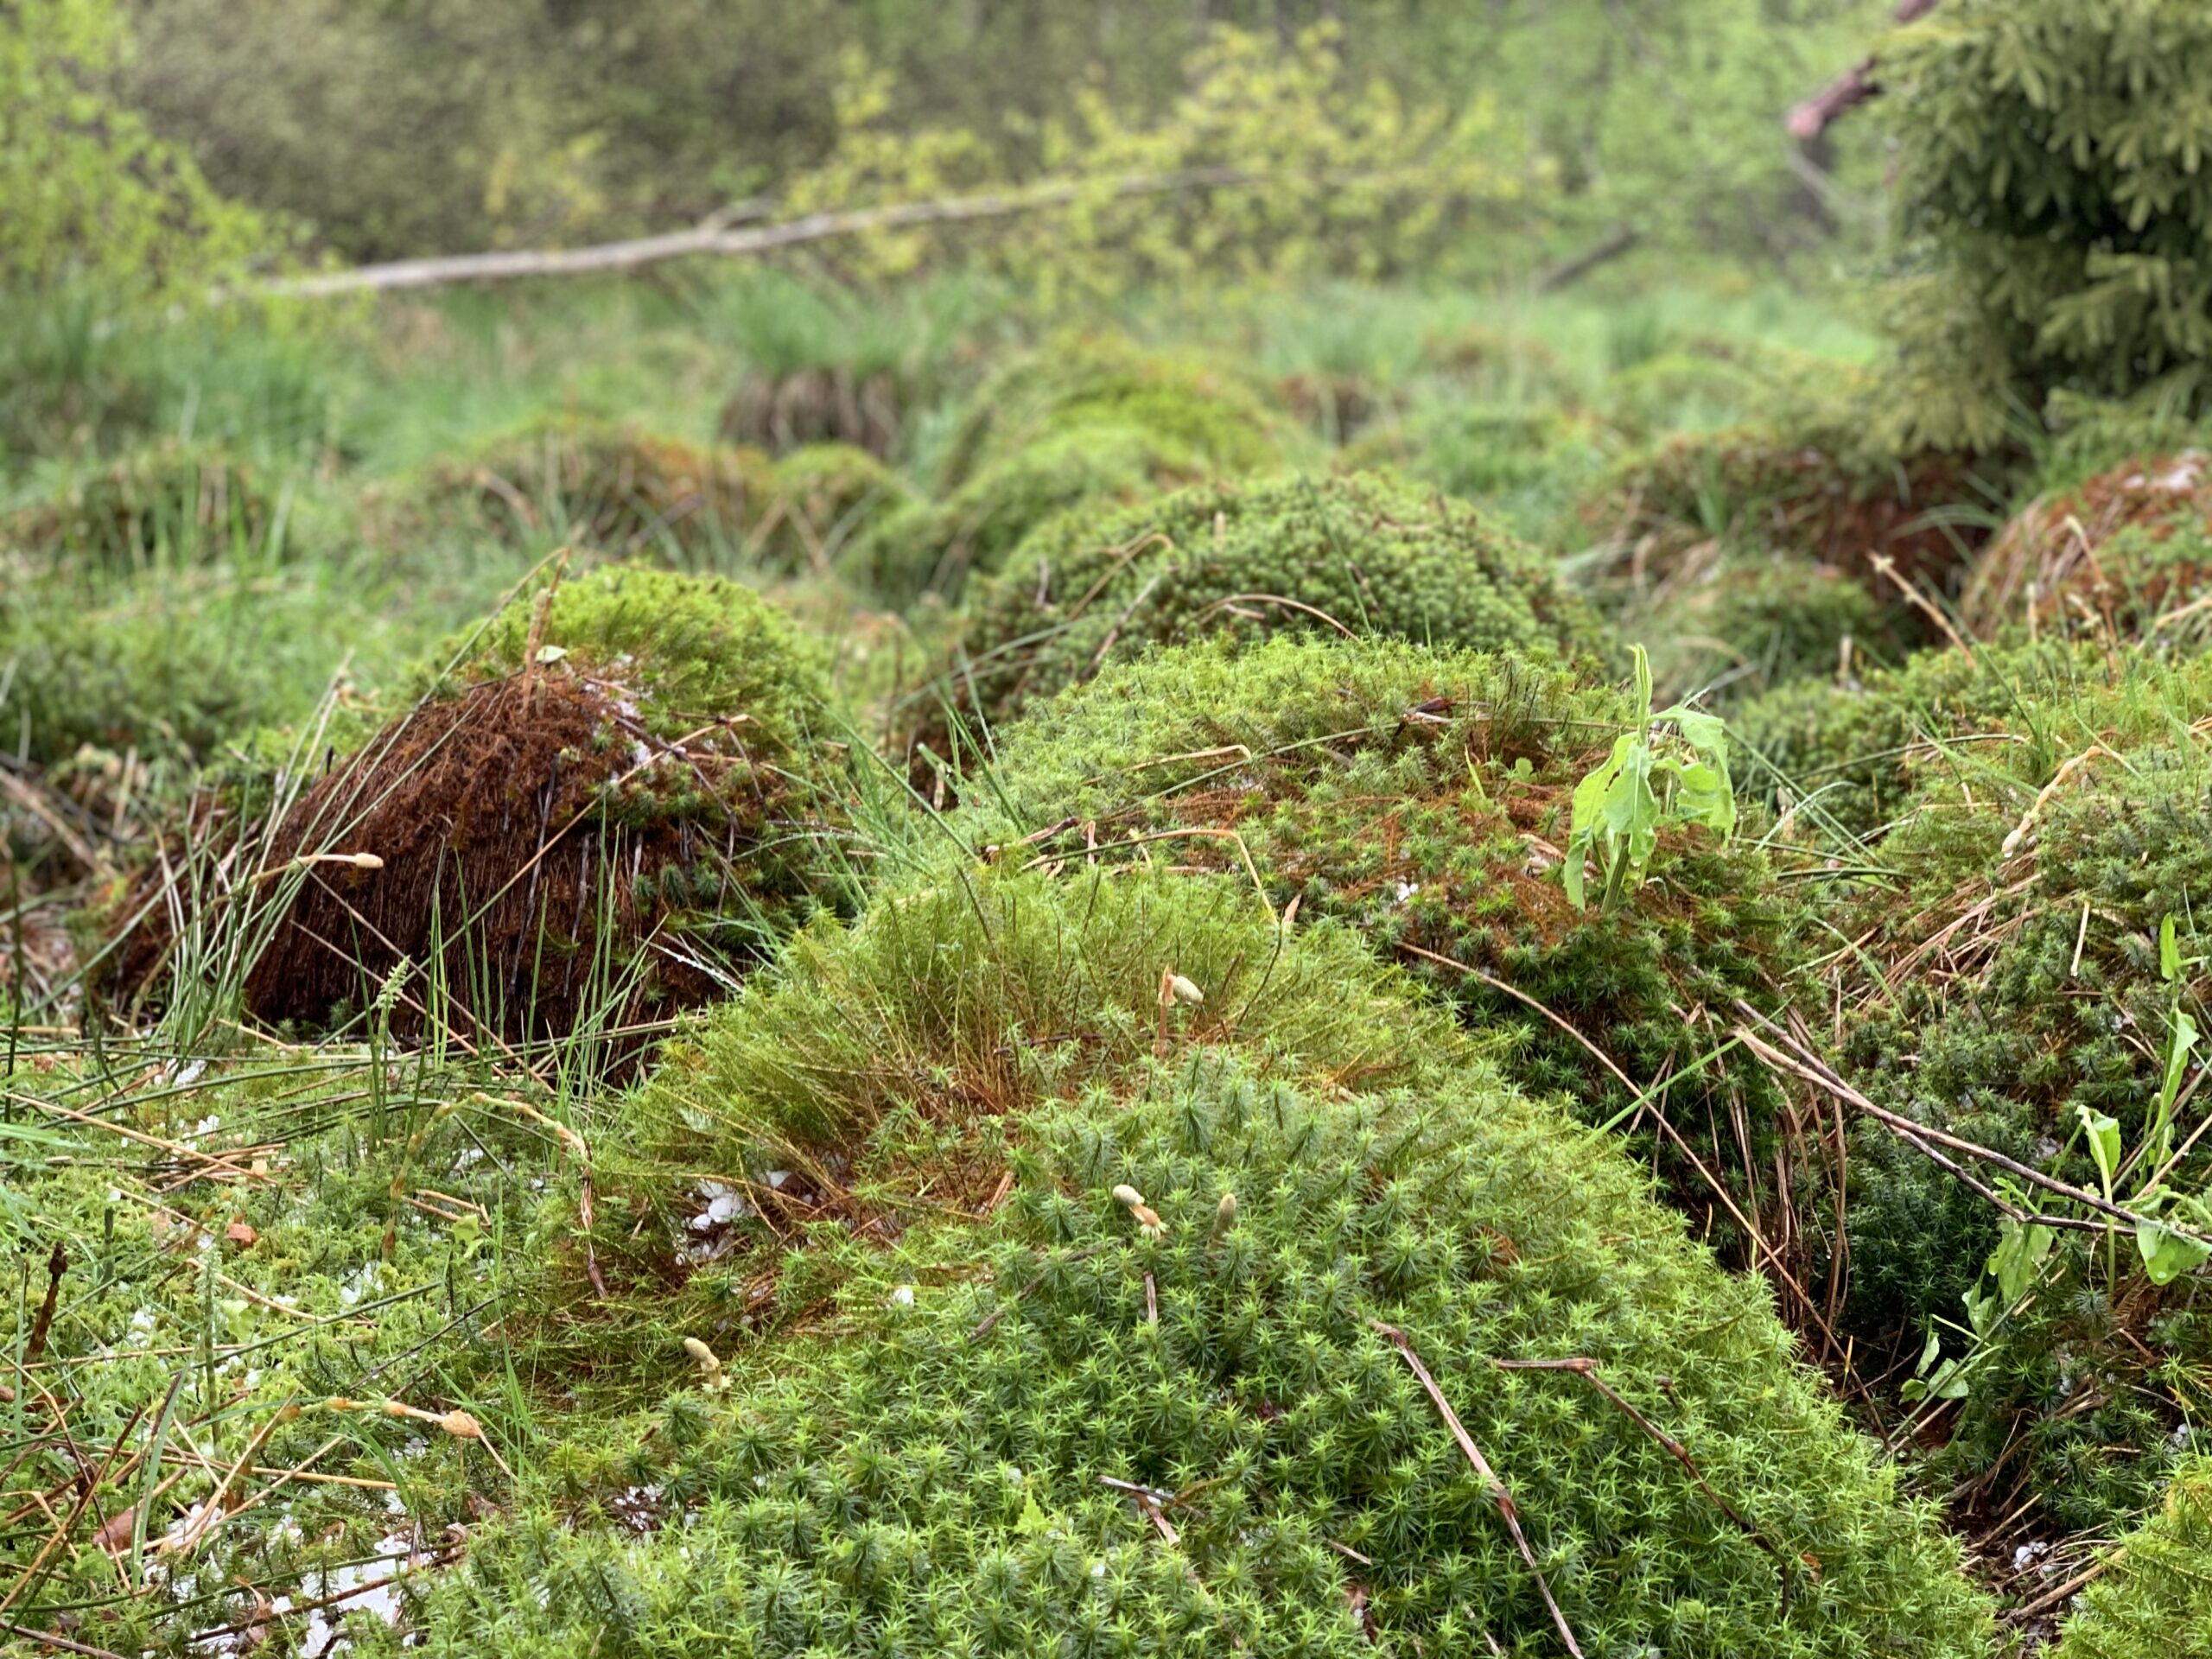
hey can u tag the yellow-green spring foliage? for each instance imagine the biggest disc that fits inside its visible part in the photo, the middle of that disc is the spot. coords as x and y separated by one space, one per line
88 193
1365 554
2154 1600
1149 1405
2049 159
1423 797
1082 422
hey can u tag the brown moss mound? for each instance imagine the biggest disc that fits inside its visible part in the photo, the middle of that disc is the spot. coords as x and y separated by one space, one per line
537 843
631 493
784 411
1751 488
2124 557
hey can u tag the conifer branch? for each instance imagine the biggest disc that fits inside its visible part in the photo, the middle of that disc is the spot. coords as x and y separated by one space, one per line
1811 118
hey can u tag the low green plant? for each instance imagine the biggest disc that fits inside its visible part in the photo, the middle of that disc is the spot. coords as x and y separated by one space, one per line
1652 779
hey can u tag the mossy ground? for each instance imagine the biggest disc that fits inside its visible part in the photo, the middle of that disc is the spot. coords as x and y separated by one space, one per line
835 1174
947 1436
1422 797
1361 553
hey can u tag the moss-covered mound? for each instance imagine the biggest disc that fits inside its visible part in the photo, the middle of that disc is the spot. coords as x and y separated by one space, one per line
1732 626
2124 559
935 546
2154 1600
2014 992
825 498
173 503
1844 758
1361 555
1423 798
1081 383
607 811
630 494
1083 423
1165 1397
1807 487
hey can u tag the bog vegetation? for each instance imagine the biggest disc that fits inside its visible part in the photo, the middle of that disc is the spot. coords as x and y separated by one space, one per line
1293 830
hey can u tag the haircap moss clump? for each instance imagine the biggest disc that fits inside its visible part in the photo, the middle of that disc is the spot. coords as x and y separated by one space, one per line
1200 1433
1423 798
1084 424
1807 484
1845 759
2153 1599
1364 553
2031 979
628 492
1078 383
609 811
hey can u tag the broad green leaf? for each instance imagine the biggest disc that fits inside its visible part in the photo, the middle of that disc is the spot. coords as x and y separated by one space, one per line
2104 1143
2166 1253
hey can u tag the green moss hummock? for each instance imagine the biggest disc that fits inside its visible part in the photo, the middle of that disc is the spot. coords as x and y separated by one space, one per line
1365 554
1155 1402
611 808
1422 797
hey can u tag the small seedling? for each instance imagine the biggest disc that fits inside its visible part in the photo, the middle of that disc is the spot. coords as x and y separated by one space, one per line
1654 776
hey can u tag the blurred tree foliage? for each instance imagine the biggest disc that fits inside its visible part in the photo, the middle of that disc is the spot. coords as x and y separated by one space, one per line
88 197
408 126
1307 169
2051 179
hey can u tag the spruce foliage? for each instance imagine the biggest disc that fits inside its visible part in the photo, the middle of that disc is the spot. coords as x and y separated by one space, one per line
2050 161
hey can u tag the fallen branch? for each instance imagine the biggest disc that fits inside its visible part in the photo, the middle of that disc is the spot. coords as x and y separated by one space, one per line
716 237
1498 1495
1621 239
1810 119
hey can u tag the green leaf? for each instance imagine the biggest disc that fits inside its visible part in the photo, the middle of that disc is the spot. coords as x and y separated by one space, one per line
2169 952
2104 1143
2166 1253
2019 1255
